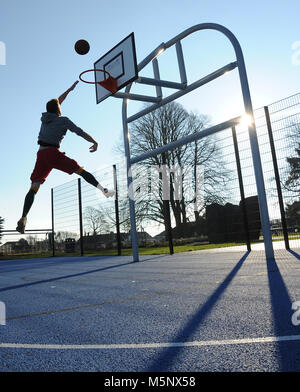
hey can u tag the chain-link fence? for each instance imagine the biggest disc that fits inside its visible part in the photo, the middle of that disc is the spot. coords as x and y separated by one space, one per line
278 129
66 216
182 208
84 221
204 201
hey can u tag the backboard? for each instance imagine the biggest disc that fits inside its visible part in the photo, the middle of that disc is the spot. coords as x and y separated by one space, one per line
121 64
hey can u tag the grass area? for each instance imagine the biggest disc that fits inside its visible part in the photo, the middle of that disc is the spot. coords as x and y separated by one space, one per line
163 249
125 252
281 237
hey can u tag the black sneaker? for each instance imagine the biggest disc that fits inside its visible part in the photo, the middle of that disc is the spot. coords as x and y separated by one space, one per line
21 225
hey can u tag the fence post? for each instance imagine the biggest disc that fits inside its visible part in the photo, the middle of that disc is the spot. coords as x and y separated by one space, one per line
241 185
80 217
52 217
167 214
277 179
117 210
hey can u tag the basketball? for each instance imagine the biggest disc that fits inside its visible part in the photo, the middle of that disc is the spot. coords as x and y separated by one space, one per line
82 46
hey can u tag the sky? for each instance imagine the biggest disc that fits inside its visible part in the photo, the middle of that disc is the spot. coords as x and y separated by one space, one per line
38 62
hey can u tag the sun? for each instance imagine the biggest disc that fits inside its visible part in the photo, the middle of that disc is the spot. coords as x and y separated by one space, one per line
246 120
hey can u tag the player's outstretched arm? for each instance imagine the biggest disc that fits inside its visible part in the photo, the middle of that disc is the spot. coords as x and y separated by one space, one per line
80 132
65 94
90 139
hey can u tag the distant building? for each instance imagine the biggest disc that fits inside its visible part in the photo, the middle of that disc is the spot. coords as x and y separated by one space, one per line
9 247
160 237
108 241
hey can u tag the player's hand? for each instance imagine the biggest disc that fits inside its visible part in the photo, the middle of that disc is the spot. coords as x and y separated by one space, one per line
73 85
94 147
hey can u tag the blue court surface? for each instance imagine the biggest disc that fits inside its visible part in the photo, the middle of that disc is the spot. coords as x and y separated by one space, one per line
229 311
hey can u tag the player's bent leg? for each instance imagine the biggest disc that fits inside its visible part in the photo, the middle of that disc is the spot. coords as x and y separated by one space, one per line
87 176
92 180
29 199
70 166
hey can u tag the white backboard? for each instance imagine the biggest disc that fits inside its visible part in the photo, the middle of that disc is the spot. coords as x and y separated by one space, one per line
121 63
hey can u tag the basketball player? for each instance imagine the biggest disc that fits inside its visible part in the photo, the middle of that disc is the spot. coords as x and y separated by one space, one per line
53 128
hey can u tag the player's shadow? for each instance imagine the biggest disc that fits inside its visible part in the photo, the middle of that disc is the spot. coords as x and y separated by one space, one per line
19 265
169 355
16 265
51 263
294 254
64 277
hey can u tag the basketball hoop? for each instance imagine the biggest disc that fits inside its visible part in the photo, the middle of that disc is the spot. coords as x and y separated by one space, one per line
109 84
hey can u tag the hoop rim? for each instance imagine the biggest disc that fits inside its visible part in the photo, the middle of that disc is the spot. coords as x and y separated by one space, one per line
90 70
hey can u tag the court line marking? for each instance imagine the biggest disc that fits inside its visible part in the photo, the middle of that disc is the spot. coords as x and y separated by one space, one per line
270 339
127 299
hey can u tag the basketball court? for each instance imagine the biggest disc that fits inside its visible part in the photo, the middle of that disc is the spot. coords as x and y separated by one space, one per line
201 311
216 311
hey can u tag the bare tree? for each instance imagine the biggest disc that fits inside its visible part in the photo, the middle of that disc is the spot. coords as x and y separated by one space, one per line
95 220
291 173
32 240
214 175
165 125
292 181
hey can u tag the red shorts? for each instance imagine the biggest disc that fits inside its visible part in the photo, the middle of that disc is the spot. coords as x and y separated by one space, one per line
51 158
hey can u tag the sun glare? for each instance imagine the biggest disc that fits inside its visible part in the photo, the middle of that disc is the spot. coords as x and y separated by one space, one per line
246 120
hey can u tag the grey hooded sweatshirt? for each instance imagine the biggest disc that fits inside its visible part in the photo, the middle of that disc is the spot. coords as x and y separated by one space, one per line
54 128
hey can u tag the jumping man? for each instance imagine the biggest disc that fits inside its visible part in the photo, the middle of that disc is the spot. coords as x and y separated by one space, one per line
53 128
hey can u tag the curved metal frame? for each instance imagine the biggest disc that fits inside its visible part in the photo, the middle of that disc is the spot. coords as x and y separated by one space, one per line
248 110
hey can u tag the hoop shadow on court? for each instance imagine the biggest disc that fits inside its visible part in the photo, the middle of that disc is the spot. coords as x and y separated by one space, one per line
170 354
281 308
282 312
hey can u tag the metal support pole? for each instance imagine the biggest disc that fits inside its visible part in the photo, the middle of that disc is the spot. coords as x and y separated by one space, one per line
259 178
80 217
159 83
117 210
241 185
157 77
181 65
52 218
137 97
277 179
